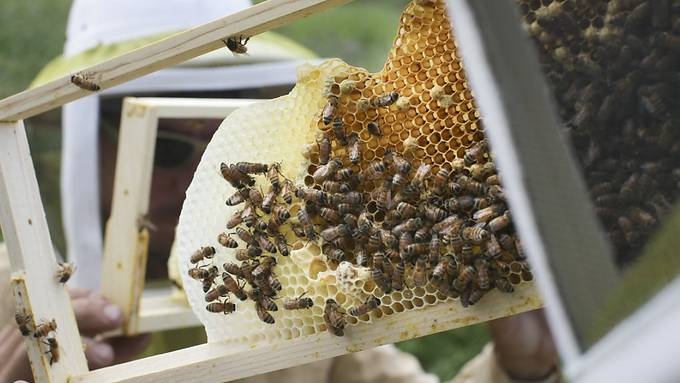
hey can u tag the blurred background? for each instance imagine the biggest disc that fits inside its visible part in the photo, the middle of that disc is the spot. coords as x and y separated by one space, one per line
361 33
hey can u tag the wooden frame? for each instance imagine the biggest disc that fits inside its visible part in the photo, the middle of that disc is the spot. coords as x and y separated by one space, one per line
32 258
126 239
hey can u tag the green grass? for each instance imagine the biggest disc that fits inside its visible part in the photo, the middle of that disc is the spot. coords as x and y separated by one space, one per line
361 33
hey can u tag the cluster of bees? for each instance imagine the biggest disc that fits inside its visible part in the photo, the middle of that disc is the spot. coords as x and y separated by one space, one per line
613 67
42 331
408 223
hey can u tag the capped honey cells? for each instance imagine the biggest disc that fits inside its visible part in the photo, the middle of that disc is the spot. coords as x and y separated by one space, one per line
360 196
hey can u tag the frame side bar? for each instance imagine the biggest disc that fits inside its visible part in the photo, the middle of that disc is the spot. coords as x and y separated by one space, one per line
549 201
31 254
162 54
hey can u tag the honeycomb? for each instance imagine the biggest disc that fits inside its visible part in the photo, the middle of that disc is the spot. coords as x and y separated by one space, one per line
432 122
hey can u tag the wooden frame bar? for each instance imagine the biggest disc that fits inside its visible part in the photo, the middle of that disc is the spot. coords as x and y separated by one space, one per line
165 53
126 240
36 289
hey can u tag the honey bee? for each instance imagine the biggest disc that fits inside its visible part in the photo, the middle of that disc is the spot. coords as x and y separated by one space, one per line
374 129
417 249
225 240
486 214
433 213
475 296
326 171
475 187
375 170
439 271
64 271
411 224
500 223
421 173
420 273
221 307
329 215
83 83
233 286
405 239
495 194
287 192
233 269
24 322
384 100
334 318
216 293
350 220
422 234
329 110
388 239
466 275
235 220
251 167
482 267
265 267
452 223
371 303
298 303
400 164
201 273
493 179
479 203
440 180
504 285
398 275
339 131
263 314
466 253
361 255
380 278
206 252
244 235
273 176
506 242
406 210
353 198
247 253
312 195
44 328
274 284
282 245
642 217
266 244
475 234
493 248
354 151
237 198
475 154
455 241
237 45
435 248
53 350
255 197
268 201
236 178
281 214
249 216
334 232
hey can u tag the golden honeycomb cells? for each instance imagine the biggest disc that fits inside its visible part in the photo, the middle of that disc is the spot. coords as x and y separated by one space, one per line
434 121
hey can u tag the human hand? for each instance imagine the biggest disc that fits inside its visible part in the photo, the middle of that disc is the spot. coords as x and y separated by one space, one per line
524 346
95 316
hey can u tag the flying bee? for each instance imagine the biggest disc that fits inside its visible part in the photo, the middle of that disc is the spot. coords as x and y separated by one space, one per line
334 318
201 273
482 267
371 303
504 285
233 286
354 150
420 273
298 303
339 131
475 154
329 110
334 232
216 293
206 252
237 45
248 253
384 100
374 129
237 198
251 167
24 322
236 178
83 83
44 328
500 223
375 170
64 271
325 171
221 307
324 144
433 213
53 350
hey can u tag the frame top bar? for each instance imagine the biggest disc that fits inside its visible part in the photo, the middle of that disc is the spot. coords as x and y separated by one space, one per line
162 54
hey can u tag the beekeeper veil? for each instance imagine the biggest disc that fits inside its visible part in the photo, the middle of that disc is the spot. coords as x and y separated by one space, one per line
100 29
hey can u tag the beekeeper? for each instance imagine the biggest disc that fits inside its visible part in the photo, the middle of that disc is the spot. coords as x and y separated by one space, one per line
100 29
